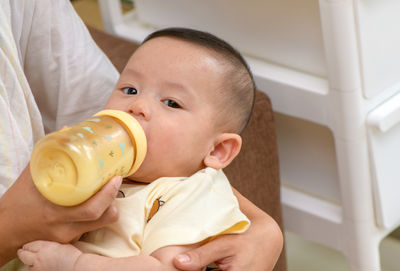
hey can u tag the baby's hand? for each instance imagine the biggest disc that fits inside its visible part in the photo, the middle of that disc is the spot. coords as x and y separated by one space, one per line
49 256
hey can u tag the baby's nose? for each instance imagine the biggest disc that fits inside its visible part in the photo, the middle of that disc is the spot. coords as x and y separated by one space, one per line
140 109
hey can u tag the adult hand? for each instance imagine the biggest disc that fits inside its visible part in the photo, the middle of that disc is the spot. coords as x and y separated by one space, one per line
26 215
257 249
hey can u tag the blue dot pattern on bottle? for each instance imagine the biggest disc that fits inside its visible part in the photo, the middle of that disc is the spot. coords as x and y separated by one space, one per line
107 137
88 129
122 147
100 161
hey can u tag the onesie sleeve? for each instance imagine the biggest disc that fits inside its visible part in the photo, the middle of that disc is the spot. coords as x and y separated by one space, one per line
193 210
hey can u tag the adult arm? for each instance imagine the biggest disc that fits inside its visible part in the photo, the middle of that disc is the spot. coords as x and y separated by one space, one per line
26 215
257 249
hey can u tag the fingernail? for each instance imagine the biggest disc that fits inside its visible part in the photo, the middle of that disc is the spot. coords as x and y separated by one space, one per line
183 258
117 182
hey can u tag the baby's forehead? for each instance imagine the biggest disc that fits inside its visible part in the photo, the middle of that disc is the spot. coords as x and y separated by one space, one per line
167 53
179 50
187 46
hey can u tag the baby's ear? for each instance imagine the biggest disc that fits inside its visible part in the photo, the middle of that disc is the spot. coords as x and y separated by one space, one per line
226 148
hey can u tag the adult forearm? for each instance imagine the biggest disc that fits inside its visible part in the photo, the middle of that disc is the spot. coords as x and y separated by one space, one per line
249 209
265 226
257 215
9 243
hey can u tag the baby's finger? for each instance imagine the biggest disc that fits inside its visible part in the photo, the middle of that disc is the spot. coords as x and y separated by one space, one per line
26 256
34 246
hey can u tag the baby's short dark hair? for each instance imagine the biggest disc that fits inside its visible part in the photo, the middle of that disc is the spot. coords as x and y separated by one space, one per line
237 106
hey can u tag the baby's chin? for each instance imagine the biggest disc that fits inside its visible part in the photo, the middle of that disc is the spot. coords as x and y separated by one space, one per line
140 179
145 175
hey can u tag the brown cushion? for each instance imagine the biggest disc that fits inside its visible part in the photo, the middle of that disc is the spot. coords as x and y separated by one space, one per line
255 172
117 49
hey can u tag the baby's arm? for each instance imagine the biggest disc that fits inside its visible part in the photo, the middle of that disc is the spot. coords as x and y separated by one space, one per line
50 256
160 260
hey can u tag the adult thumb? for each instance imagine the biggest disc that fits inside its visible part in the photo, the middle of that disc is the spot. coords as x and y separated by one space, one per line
202 256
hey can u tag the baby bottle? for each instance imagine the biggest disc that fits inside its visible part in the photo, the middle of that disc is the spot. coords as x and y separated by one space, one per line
70 165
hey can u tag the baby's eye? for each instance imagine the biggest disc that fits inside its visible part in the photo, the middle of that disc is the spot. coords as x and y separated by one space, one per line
129 91
171 103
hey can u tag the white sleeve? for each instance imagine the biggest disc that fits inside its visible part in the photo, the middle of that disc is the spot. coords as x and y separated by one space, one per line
70 77
20 120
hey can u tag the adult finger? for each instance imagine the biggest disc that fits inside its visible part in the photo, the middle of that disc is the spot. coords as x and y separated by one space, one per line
65 232
97 206
202 256
108 217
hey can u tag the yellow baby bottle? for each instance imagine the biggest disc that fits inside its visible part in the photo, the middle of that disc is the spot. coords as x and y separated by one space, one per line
70 165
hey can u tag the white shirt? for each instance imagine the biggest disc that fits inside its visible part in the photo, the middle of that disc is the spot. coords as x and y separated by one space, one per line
51 74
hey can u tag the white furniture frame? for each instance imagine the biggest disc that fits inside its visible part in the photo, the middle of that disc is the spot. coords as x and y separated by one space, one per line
332 71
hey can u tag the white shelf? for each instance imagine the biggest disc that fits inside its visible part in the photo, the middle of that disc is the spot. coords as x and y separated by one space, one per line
293 92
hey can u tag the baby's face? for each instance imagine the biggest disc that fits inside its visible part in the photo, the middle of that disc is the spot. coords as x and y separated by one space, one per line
169 86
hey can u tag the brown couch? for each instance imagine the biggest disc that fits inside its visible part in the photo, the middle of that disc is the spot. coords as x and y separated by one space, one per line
255 172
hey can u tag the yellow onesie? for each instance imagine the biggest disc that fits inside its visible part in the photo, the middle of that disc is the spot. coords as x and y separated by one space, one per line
169 211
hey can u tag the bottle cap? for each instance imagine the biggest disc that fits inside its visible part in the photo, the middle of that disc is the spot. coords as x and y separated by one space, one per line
135 131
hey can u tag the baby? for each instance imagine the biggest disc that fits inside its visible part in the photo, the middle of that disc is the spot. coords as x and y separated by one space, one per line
193 94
